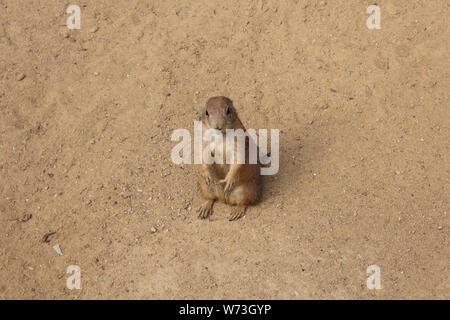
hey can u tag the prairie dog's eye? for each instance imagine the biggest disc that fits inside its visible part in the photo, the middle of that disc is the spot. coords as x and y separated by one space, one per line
206 113
228 111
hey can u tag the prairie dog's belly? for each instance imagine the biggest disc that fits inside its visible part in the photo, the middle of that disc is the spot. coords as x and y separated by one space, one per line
216 141
212 147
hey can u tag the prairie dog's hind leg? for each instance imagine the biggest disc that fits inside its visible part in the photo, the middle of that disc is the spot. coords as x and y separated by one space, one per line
209 195
237 213
205 209
237 197
242 196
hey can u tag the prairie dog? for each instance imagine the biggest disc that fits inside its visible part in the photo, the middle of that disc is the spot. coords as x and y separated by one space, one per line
234 184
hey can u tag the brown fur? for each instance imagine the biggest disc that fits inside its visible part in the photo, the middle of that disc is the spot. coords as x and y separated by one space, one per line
234 184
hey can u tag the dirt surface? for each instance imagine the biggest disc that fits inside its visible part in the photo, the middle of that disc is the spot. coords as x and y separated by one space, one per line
85 123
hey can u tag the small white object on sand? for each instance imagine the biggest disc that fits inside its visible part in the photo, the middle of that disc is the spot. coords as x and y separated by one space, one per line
57 249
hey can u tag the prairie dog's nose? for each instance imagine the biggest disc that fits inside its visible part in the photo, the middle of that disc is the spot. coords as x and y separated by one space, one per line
218 126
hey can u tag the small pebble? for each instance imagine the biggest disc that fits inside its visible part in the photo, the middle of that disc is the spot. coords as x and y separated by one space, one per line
46 236
21 76
26 217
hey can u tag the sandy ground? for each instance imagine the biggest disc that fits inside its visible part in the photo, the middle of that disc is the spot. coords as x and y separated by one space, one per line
85 123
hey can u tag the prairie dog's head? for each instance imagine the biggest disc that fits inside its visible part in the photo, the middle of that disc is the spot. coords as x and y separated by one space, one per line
219 114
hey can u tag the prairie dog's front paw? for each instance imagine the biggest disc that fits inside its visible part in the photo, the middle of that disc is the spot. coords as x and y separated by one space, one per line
229 183
208 180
